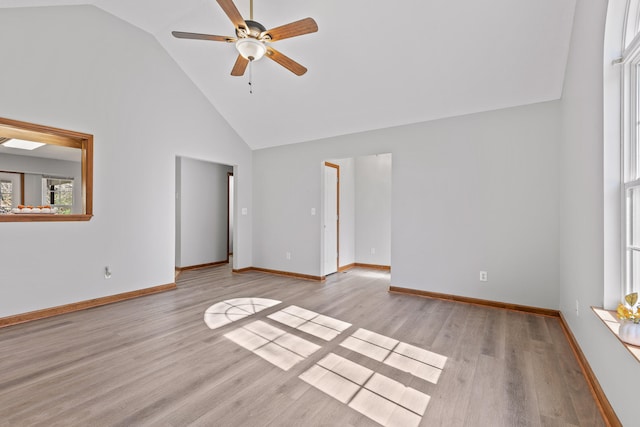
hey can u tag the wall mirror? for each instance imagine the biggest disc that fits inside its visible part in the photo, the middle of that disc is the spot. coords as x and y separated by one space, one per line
46 174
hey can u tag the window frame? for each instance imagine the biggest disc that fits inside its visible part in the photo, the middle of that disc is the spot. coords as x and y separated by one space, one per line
630 160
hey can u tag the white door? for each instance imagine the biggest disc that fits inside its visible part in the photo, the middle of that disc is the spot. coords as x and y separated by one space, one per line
331 212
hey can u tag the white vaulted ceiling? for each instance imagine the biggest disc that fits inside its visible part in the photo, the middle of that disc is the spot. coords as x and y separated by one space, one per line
372 64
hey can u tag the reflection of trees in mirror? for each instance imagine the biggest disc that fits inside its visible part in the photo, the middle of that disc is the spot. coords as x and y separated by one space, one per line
6 196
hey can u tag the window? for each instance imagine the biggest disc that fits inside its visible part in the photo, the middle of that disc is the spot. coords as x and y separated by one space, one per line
630 134
631 22
58 193
6 196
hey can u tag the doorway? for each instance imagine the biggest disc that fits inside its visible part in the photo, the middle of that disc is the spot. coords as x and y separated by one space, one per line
331 218
356 198
204 212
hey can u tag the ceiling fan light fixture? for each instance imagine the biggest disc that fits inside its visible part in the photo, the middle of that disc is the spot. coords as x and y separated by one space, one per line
253 40
251 49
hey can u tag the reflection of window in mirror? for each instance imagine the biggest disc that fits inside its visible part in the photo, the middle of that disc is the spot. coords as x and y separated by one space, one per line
11 190
45 173
58 193
6 196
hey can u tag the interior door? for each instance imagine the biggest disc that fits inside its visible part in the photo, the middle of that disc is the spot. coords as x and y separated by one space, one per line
331 217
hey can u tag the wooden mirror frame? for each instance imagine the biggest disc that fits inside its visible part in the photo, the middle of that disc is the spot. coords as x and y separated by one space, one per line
65 138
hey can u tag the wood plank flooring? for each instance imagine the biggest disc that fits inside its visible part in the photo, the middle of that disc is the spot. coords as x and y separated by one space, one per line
152 361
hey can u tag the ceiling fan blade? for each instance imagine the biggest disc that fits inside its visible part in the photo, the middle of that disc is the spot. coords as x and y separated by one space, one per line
197 36
293 29
285 61
232 12
240 66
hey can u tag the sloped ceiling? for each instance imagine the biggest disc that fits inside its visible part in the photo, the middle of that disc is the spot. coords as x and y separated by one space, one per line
372 64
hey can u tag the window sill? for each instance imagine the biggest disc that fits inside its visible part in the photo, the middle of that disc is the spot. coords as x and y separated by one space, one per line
43 218
610 318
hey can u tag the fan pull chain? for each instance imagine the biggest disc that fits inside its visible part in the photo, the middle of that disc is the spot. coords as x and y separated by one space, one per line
250 77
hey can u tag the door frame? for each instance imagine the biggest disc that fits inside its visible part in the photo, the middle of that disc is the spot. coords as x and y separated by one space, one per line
231 199
337 168
229 204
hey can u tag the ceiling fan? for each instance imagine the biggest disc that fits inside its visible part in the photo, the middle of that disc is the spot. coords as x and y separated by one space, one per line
253 39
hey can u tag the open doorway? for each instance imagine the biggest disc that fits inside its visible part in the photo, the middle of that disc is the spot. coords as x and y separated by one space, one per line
204 213
362 213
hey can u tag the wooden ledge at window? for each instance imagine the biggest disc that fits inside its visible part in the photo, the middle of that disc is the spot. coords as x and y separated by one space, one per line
610 318
43 218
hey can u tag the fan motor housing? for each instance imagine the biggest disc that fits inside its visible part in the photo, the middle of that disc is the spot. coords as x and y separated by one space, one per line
254 29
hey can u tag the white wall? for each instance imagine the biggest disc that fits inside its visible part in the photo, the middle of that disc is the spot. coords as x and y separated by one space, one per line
373 209
472 193
201 228
32 189
582 216
80 68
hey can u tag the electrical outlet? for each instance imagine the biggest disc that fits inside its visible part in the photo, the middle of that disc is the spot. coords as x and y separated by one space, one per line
484 276
288 255
373 251
577 308
107 272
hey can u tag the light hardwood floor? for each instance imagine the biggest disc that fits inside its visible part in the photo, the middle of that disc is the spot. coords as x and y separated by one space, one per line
153 361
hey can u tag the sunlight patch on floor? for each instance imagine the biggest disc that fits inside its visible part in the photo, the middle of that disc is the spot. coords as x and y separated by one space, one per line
318 325
375 396
405 357
374 274
274 345
225 312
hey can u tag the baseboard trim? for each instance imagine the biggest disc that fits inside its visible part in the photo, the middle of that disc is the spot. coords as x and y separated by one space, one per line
373 266
82 305
609 415
281 273
346 267
308 276
361 265
476 301
197 266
